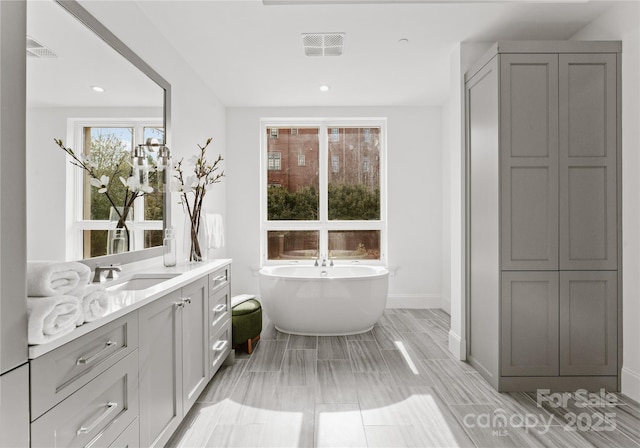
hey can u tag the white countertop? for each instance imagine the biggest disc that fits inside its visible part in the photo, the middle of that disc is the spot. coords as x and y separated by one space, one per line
124 302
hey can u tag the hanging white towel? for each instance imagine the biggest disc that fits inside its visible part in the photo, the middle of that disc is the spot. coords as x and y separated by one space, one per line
53 278
215 230
51 317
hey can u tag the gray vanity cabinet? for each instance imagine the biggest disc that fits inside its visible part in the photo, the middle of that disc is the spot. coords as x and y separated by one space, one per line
173 359
543 215
195 342
160 369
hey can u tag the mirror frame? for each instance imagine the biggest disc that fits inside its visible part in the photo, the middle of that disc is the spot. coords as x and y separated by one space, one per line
81 14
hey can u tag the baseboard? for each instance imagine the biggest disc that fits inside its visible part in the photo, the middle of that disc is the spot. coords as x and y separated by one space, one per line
457 346
630 384
414 301
446 304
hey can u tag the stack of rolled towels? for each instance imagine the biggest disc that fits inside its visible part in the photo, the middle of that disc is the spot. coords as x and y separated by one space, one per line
61 298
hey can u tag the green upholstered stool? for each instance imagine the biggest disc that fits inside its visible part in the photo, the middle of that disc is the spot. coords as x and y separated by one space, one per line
246 321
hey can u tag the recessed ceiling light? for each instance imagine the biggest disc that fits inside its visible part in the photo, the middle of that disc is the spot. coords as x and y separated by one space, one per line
324 88
97 89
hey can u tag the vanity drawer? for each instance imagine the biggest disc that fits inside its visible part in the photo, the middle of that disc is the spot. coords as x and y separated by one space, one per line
219 308
219 347
130 438
96 414
59 373
219 278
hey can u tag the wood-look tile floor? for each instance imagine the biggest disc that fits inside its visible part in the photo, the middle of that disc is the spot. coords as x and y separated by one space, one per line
394 386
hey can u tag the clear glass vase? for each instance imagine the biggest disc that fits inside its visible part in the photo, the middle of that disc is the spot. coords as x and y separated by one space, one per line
120 235
196 238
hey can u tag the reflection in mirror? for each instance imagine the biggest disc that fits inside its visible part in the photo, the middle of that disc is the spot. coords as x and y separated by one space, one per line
102 107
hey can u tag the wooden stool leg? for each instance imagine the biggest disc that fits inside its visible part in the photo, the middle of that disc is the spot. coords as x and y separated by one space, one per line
251 343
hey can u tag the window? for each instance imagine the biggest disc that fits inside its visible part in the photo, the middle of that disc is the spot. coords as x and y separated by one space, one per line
333 207
335 163
367 135
335 135
108 145
275 161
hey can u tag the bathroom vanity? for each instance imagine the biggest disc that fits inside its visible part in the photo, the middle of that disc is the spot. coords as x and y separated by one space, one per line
129 378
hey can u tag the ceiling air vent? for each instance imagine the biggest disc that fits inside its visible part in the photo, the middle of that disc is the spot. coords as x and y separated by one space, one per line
323 44
36 50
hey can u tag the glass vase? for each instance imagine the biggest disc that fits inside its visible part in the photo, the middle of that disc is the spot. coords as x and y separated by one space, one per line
196 238
119 234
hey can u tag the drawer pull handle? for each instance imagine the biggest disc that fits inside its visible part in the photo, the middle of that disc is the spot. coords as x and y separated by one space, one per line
220 278
219 346
220 307
90 359
87 429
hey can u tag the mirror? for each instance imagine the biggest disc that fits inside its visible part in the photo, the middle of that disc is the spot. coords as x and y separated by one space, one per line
70 58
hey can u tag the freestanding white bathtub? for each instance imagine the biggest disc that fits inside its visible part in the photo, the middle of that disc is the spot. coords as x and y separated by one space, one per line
326 301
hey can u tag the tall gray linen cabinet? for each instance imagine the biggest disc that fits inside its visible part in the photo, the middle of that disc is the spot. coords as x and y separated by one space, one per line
543 208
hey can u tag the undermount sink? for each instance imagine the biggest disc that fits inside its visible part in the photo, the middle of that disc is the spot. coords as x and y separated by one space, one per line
141 281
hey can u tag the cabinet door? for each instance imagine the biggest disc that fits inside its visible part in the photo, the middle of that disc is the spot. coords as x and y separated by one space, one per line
588 323
529 315
14 408
160 368
195 341
588 147
529 158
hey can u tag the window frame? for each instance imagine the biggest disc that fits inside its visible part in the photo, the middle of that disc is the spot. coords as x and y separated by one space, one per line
76 224
323 225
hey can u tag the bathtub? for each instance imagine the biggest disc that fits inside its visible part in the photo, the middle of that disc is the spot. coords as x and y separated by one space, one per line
324 301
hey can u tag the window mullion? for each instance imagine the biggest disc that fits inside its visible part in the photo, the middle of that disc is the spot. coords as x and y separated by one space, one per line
324 194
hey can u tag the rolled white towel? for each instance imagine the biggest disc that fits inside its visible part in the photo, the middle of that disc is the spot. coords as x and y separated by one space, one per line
94 301
54 278
51 317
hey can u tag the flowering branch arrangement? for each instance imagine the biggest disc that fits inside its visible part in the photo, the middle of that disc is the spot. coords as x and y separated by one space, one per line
133 188
205 174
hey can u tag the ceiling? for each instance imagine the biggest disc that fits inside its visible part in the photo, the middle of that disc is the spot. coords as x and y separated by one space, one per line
251 54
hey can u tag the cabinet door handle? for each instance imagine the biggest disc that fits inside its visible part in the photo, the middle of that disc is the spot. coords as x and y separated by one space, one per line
219 346
83 361
179 304
187 300
87 429
220 307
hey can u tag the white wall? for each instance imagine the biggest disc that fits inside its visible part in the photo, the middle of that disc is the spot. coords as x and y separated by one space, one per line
414 195
196 113
622 24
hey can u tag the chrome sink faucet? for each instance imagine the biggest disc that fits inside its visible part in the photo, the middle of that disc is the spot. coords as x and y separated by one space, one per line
104 273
